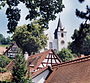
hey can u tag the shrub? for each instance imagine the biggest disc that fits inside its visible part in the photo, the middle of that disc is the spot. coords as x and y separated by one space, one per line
2 70
4 60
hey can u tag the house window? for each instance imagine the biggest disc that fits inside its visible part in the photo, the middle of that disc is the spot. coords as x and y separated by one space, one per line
62 35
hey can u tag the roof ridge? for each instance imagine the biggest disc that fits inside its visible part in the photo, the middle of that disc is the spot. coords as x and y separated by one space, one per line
9 65
38 54
9 48
56 55
73 61
40 71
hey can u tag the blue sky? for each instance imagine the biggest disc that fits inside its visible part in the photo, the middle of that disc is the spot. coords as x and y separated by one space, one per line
68 18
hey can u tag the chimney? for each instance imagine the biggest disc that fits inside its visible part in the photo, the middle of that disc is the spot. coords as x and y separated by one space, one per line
82 55
26 55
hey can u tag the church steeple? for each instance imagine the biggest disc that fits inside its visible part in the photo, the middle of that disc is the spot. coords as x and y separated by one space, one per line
60 37
59 28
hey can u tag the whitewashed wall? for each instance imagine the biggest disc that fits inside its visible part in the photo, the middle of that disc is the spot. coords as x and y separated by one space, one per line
41 77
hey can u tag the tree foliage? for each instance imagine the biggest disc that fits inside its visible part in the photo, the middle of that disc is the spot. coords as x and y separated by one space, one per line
2 70
65 55
20 69
4 61
4 41
2 3
30 38
81 40
84 15
1 37
81 1
44 10
81 37
13 15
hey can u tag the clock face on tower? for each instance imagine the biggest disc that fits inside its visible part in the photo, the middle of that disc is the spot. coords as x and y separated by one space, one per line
62 41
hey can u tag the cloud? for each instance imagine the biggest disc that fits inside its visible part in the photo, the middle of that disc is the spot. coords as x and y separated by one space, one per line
24 12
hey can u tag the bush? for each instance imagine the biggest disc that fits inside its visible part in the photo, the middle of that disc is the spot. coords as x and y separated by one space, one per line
26 80
2 70
65 55
4 82
4 60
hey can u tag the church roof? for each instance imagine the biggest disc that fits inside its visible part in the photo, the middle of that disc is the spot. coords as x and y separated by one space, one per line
59 26
75 71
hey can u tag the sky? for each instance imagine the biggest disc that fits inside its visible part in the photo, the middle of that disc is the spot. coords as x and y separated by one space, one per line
67 16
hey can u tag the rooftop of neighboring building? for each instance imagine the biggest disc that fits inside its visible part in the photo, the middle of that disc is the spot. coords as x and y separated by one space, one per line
2 50
75 71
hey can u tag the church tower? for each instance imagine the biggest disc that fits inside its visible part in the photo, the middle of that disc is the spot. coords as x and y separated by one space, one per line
59 37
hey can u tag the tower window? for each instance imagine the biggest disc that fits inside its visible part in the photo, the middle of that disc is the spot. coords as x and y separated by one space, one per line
50 45
62 42
62 35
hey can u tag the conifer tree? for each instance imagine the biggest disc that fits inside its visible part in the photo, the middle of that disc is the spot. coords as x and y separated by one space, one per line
81 40
20 69
81 37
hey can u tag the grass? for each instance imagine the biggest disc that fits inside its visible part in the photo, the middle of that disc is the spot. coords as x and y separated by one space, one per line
4 45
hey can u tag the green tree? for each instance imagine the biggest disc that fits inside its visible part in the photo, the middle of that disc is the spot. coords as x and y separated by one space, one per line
8 40
2 3
20 69
44 10
86 45
81 1
65 55
30 38
4 60
4 41
1 37
81 37
81 40
2 70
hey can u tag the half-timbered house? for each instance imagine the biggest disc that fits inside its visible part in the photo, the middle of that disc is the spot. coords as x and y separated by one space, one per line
11 51
40 65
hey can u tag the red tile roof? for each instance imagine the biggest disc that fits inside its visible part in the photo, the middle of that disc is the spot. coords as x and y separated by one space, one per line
5 76
2 50
75 71
8 48
35 60
40 71
10 65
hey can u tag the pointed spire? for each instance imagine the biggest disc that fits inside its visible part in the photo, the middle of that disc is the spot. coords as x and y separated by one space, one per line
59 26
